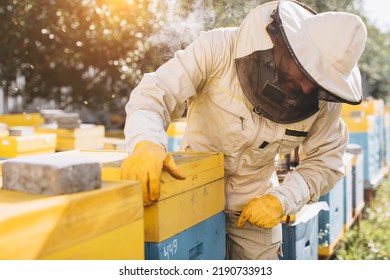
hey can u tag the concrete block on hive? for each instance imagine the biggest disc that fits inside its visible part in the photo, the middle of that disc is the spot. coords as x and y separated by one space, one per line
68 120
21 131
49 115
51 174
61 118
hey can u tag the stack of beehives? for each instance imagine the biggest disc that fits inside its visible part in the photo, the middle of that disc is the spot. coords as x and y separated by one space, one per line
57 207
199 199
109 221
71 132
18 137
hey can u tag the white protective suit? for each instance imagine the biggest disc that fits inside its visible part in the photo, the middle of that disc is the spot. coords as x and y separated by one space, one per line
220 119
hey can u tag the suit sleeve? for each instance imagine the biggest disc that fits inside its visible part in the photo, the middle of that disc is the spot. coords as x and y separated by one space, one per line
161 95
321 161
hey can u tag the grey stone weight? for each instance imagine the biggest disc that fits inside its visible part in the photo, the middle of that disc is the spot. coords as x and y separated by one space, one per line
51 174
21 131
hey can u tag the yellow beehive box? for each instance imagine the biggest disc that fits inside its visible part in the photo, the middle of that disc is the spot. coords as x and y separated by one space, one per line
84 131
115 133
106 223
349 110
360 124
367 107
87 136
111 143
1 173
3 130
373 106
66 144
198 197
22 119
177 127
15 146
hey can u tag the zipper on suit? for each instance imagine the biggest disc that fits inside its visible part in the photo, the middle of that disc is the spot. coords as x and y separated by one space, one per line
242 123
280 146
243 150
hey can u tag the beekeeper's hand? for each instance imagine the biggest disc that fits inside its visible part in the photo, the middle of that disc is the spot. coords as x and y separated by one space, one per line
145 164
264 211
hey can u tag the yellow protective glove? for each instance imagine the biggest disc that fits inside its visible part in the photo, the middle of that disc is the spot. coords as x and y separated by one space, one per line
265 211
145 164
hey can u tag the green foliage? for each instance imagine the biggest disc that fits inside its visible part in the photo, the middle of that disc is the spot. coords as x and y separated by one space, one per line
332 5
94 52
370 241
74 51
375 64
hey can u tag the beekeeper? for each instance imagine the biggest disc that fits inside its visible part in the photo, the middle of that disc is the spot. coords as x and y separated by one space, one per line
274 83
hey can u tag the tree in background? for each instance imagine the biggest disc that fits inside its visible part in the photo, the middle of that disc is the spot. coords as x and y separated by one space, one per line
75 52
92 53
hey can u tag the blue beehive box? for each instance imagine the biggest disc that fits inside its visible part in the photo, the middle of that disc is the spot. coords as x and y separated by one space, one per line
174 143
363 132
371 156
348 192
387 136
300 242
357 178
380 125
331 223
175 133
203 241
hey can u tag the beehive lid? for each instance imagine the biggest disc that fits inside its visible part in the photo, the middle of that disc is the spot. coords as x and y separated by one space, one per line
32 226
199 168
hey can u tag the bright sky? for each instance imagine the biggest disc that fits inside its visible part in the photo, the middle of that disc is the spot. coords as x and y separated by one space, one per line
378 11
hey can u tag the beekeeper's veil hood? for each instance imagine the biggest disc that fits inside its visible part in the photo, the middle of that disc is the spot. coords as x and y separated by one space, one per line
327 47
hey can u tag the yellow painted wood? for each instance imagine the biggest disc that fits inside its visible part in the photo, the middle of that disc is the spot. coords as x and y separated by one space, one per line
327 251
4 133
124 243
199 168
114 143
35 226
177 127
374 107
29 143
182 203
84 131
115 133
14 154
360 124
367 107
352 111
66 144
22 119
85 137
357 159
15 146
171 216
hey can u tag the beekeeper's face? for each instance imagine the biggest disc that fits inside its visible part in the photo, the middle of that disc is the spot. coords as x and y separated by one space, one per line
290 77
